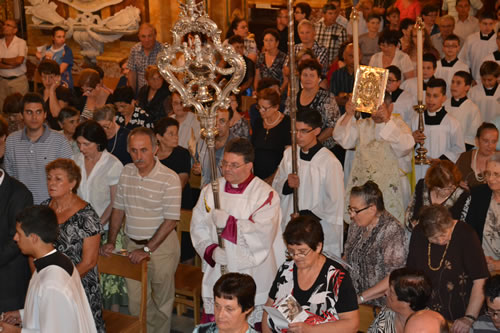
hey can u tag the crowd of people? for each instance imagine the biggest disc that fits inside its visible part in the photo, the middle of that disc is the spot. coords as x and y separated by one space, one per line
86 170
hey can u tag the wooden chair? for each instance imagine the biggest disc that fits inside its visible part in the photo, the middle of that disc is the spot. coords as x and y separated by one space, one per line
246 102
121 266
188 278
184 225
367 314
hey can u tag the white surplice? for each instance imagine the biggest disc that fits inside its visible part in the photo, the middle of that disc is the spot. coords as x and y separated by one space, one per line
474 51
56 302
321 191
445 71
397 135
489 106
259 250
468 116
404 106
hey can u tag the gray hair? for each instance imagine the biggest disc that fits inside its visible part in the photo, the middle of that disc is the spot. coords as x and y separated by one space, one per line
105 112
143 131
306 22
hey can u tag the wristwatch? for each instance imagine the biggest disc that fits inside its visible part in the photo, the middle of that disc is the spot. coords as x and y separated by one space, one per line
147 250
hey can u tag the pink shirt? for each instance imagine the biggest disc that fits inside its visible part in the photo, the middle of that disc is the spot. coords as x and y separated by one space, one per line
411 12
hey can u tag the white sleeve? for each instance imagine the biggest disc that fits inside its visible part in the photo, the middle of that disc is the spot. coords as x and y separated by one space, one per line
283 171
57 313
457 142
346 136
463 55
400 138
202 230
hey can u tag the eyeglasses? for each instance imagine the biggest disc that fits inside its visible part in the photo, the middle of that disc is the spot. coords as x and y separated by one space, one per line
488 174
305 131
445 190
264 109
353 211
298 254
392 81
492 313
231 166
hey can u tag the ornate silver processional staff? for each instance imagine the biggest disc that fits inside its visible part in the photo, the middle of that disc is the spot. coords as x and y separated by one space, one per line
293 102
191 65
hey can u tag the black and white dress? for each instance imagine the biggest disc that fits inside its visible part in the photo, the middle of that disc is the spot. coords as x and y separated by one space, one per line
83 224
332 292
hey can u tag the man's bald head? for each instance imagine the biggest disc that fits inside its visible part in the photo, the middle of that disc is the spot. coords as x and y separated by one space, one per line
426 321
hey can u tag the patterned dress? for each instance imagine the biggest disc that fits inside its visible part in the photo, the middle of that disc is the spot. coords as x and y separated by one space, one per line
85 223
212 328
384 322
241 129
139 118
276 69
332 293
375 255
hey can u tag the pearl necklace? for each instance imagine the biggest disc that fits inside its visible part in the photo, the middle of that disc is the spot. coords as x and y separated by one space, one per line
479 177
272 124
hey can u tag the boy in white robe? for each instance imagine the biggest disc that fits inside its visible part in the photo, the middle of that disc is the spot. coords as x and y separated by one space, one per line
463 109
249 217
495 56
320 182
56 301
478 45
403 100
450 64
486 94
384 147
442 135
428 71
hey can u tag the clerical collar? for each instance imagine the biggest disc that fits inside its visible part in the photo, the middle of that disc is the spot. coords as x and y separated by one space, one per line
239 188
496 55
490 91
445 63
312 151
434 119
54 258
457 102
395 94
427 81
487 37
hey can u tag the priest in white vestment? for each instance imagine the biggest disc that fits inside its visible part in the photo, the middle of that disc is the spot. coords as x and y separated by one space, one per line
56 301
442 137
320 182
384 147
250 217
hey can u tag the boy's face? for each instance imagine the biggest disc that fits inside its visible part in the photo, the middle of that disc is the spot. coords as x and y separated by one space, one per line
373 25
488 80
434 98
486 26
393 18
458 87
330 16
450 49
427 70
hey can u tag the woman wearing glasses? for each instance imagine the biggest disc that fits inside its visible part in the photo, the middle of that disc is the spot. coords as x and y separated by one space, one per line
449 253
320 285
440 186
376 243
484 212
270 136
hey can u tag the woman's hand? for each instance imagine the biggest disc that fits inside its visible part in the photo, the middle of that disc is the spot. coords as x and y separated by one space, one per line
299 327
493 265
461 325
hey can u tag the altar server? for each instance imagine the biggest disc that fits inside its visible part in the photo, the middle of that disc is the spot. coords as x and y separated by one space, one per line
319 182
450 64
486 93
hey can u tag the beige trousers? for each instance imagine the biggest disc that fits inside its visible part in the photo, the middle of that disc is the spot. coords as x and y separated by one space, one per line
8 87
161 288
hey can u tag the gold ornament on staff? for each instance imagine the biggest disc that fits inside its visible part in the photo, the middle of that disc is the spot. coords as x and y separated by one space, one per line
196 38
293 102
421 157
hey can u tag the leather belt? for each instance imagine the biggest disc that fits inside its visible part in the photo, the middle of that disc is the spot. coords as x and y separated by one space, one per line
10 77
140 242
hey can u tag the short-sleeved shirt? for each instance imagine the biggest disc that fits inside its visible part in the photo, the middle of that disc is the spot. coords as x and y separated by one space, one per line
400 60
321 54
63 55
453 272
25 160
138 61
148 201
369 46
16 48
331 294
331 37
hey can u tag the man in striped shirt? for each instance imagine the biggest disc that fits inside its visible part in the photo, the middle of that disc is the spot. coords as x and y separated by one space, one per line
149 196
27 151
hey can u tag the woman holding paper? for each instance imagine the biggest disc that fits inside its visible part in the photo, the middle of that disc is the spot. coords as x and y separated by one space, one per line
320 285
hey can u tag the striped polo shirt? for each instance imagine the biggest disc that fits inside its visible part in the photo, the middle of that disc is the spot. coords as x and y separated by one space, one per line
148 201
25 160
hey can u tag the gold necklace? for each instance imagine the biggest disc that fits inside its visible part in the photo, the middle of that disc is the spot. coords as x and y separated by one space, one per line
442 258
